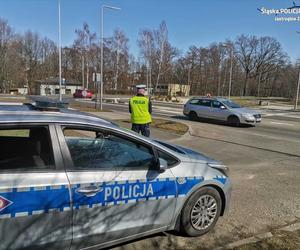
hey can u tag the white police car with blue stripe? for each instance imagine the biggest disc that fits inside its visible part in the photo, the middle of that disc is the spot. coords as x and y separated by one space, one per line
72 180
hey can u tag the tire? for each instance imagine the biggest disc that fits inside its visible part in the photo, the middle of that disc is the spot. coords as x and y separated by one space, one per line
234 121
193 116
210 211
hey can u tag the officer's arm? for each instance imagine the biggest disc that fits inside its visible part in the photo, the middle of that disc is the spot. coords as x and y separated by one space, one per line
150 106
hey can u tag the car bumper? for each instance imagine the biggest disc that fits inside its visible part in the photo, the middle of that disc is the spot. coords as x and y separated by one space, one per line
227 192
185 112
253 121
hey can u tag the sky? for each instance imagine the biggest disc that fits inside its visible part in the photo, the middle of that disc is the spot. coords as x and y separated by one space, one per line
190 22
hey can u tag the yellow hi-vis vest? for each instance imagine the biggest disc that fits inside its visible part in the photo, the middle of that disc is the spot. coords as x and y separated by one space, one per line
140 110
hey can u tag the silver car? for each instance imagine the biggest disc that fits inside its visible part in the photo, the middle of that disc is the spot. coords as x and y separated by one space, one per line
220 109
69 180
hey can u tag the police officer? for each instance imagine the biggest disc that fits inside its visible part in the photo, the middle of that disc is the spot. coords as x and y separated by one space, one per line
140 108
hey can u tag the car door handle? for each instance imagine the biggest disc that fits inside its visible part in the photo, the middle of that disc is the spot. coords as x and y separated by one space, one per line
89 191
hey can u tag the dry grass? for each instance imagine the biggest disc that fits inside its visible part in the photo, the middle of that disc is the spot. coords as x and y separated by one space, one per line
87 109
280 241
246 102
15 132
12 100
167 125
176 127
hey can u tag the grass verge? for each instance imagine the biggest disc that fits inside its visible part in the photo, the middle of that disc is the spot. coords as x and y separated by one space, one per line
280 241
166 125
12 100
87 109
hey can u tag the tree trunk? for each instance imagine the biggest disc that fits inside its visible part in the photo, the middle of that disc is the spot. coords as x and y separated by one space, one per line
246 84
219 82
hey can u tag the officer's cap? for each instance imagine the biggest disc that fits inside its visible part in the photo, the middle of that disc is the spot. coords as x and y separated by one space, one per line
141 86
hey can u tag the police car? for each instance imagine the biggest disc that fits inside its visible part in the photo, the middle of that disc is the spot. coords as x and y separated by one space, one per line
72 180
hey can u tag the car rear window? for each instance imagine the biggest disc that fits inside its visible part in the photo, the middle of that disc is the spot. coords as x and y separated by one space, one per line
26 149
194 101
204 102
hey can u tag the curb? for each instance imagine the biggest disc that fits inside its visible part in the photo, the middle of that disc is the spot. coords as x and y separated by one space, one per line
246 241
188 133
291 228
259 237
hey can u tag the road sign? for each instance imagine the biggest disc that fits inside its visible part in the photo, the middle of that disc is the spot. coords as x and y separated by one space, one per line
98 77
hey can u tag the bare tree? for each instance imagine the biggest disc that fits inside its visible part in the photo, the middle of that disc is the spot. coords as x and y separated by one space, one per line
259 65
6 36
120 51
161 37
32 50
146 44
258 56
84 42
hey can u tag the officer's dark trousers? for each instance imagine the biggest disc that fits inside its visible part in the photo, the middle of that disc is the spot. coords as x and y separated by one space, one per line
144 129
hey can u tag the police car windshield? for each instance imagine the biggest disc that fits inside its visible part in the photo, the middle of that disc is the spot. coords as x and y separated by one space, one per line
231 104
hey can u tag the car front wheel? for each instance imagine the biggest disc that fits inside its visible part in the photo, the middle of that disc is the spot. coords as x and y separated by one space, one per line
233 120
193 116
201 212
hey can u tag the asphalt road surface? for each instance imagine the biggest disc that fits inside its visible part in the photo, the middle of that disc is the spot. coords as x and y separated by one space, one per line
264 166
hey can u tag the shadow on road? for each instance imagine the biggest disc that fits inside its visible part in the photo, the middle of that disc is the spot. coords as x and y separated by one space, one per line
124 245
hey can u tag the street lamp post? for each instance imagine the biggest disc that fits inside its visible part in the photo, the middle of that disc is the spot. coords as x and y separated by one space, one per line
298 86
297 93
100 88
231 66
59 50
230 73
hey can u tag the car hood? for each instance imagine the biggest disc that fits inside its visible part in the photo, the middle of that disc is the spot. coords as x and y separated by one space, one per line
244 111
196 156
189 154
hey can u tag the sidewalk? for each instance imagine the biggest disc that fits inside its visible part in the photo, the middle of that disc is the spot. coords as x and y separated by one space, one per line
282 107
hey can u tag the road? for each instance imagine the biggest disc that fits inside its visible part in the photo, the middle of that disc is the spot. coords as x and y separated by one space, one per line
264 164
278 128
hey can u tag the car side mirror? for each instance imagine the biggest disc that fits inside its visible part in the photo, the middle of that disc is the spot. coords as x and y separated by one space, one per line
222 107
163 165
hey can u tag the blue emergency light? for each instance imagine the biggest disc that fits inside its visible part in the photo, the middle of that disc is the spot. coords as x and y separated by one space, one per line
42 102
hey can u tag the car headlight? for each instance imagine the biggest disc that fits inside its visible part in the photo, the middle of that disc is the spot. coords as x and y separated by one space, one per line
222 168
248 116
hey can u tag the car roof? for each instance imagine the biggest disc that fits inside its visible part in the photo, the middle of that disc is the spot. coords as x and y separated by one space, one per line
211 98
27 113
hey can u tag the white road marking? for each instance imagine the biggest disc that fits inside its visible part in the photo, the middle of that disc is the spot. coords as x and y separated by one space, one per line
266 136
283 123
169 111
10 103
289 115
251 176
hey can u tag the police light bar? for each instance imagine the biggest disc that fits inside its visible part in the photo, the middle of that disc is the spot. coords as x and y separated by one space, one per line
41 102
